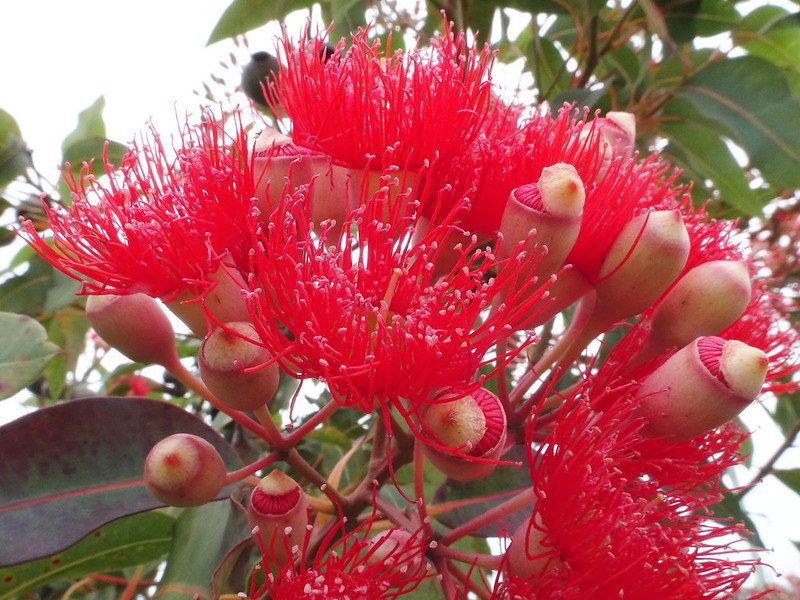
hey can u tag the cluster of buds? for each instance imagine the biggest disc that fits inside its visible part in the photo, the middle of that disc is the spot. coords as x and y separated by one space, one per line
405 241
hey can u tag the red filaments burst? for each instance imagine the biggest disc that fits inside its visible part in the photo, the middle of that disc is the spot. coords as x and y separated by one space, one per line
161 221
367 314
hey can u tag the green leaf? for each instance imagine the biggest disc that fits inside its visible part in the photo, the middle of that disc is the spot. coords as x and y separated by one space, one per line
503 478
730 507
79 465
348 16
695 146
749 99
204 537
119 544
549 68
243 15
24 353
67 329
14 156
687 20
87 144
779 43
90 125
39 290
790 478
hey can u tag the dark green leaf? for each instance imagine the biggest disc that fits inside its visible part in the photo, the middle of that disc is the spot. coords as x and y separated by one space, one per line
6 235
243 15
126 542
79 464
549 68
204 536
750 100
787 412
699 18
24 353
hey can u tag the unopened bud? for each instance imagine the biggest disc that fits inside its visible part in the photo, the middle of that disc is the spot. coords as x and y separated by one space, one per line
473 425
184 470
223 300
388 543
135 325
547 214
226 357
531 551
647 256
700 387
278 506
278 159
619 130
706 300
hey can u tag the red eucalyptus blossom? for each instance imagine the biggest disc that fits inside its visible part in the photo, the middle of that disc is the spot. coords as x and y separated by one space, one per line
367 105
356 565
609 520
161 222
368 315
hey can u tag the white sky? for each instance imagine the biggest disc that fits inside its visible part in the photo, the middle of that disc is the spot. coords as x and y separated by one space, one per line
147 57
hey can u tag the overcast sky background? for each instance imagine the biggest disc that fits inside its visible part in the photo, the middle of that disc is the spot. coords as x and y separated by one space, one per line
146 58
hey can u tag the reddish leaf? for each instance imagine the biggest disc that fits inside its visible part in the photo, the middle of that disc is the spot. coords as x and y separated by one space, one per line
68 469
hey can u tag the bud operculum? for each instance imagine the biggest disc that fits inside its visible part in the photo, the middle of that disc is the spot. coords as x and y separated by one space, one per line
470 426
225 358
135 325
700 387
278 507
184 470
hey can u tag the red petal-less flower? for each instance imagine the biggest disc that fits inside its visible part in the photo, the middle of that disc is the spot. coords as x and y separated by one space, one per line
366 105
607 523
368 315
161 220
356 566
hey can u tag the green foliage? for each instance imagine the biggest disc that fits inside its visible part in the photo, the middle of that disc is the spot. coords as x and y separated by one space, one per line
122 543
22 361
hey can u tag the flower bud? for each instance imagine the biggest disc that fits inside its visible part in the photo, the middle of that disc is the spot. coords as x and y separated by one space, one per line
278 159
473 425
278 507
646 257
135 325
700 387
706 300
223 300
545 214
225 354
184 470
619 130
531 551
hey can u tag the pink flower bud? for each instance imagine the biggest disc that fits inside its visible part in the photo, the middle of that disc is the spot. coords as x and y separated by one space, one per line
135 325
473 425
619 130
224 300
184 470
700 387
706 300
545 214
332 188
531 551
643 261
278 507
225 354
